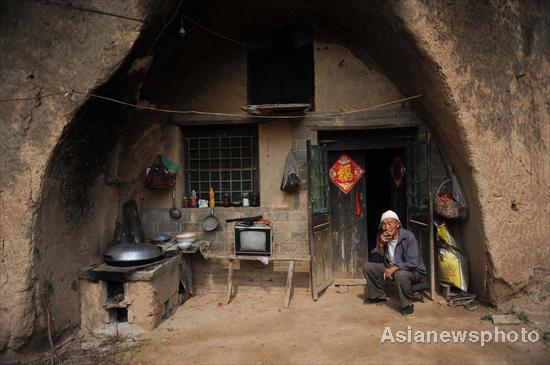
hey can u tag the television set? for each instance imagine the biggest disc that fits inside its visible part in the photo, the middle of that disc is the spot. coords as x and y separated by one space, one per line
254 240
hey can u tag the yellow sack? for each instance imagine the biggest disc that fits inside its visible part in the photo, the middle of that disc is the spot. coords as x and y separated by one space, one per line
452 265
444 235
453 268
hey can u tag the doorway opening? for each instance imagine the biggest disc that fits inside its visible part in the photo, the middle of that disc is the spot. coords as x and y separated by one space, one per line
355 214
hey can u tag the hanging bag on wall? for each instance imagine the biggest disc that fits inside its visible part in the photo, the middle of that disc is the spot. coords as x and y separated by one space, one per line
458 193
158 177
291 182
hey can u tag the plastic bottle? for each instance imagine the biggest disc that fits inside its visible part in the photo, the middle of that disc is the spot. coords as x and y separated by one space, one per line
193 201
245 200
212 197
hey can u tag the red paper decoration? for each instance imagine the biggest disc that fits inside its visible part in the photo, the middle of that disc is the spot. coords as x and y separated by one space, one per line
345 173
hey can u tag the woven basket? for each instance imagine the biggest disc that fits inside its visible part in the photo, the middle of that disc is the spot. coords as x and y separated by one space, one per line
445 208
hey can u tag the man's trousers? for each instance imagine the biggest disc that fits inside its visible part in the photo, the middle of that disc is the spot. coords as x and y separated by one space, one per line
374 273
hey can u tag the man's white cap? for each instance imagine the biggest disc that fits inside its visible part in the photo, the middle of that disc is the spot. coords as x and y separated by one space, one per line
389 214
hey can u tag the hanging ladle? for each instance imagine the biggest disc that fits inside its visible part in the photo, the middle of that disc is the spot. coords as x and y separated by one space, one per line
174 212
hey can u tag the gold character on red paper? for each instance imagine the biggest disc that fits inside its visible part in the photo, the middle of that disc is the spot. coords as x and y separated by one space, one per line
344 173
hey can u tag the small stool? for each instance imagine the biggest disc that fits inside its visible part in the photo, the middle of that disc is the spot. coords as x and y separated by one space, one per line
417 290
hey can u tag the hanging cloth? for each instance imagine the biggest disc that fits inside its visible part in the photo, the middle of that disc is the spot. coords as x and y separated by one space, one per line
291 181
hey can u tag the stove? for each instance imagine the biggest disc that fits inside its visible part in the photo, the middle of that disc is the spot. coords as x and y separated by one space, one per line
140 295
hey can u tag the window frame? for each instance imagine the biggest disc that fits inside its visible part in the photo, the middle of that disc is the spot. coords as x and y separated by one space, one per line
289 54
228 134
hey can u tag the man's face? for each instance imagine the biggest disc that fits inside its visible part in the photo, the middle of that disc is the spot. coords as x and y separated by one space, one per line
389 226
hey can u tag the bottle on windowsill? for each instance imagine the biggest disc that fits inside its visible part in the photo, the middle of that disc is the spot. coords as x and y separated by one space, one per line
212 198
226 200
246 201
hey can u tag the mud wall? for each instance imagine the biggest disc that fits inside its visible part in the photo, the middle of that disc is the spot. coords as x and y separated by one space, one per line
495 61
50 50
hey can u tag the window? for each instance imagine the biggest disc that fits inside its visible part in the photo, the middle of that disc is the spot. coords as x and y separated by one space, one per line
282 74
224 158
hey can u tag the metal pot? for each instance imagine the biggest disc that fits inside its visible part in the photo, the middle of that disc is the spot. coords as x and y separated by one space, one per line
210 222
129 254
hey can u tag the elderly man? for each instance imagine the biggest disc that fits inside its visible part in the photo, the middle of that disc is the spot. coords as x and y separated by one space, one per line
402 262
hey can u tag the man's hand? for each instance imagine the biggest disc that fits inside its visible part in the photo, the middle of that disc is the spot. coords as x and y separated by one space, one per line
388 273
383 239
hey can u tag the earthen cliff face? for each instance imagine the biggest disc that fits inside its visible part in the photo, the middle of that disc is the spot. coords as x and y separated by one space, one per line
483 68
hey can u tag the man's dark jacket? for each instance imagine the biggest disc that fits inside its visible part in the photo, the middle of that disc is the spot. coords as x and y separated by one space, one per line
407 254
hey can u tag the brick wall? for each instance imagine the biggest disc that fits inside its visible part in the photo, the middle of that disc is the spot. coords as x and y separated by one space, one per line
290 236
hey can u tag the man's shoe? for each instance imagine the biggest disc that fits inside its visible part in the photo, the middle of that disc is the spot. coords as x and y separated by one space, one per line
381 298
408 310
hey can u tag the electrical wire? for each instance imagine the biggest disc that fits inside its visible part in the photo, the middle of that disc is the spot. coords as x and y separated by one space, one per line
88 10
198 112
247 45
37 97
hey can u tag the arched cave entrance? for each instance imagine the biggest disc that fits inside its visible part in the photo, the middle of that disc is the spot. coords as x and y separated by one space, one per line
99 162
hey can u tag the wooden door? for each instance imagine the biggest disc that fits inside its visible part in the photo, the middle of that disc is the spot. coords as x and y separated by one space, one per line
319 220
419 200
349 229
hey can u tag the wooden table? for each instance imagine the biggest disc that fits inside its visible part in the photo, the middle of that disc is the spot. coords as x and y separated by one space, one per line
291 263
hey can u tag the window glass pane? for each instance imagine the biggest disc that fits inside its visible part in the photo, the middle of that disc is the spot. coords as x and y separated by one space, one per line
193 143
235 163
236 142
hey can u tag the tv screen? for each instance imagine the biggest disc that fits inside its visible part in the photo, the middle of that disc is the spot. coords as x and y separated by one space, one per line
253 240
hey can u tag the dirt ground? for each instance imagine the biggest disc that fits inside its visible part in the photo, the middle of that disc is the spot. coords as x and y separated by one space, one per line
337 329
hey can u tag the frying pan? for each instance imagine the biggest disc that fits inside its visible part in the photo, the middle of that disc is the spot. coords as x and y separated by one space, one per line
174 212
210 222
